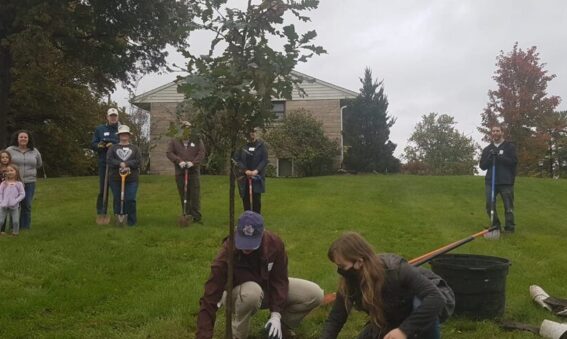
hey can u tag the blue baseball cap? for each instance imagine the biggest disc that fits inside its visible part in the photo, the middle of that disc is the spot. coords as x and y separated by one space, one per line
249 231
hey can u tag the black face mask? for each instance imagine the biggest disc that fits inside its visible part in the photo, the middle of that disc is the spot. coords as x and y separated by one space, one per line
350 274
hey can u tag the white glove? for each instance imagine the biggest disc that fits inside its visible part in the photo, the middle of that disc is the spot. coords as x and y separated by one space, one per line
274 326
182 164
189 164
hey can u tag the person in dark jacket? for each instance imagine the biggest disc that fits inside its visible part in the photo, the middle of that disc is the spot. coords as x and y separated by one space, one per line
504 154
104 137
252 160
400 300
124 157
260 280
187 152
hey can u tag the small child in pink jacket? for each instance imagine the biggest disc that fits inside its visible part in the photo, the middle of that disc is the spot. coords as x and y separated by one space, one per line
11 193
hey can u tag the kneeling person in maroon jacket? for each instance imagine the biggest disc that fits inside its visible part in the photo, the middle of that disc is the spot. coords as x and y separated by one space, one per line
261 282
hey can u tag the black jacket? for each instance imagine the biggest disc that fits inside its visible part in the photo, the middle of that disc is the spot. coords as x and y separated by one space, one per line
106 133
403 283
506 162
252 156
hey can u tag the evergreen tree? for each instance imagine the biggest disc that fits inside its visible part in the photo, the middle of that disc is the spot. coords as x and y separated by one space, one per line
366 130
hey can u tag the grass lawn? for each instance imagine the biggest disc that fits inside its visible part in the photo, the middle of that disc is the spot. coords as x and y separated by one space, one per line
71 278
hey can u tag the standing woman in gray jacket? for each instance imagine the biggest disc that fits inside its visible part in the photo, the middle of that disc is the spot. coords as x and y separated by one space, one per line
28 159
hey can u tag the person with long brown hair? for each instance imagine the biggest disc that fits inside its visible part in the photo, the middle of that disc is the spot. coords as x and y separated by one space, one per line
402 301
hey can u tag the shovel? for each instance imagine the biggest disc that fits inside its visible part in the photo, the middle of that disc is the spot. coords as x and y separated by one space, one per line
121 218
104 219
250 191
495 234
184 219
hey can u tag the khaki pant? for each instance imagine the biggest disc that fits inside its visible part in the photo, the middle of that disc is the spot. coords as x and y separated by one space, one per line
303 297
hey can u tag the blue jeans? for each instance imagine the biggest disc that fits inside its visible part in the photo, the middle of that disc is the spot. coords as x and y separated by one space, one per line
26 206
130 190
100 209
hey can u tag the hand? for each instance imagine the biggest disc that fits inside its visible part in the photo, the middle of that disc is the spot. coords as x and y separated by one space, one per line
108 144
188 164
182 164
254 172
395 334
102 144
122 165
124 170
274 326
248 173
493 152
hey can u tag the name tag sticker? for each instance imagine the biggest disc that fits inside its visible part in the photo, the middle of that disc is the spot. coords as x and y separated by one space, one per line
501 151
270 266
106 134
251 149
192 145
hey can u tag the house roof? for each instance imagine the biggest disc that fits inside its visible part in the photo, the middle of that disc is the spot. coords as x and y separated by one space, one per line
315 89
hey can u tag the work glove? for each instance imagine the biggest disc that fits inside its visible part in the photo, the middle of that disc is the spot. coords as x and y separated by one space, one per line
102 145
182 164
108 144
189 164
274 326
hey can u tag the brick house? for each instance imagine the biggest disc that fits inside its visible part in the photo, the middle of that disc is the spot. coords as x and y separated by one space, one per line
321 99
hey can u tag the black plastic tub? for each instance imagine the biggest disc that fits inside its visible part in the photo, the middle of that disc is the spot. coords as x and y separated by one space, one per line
479 283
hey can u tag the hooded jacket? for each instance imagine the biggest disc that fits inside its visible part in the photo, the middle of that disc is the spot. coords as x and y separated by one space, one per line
28 162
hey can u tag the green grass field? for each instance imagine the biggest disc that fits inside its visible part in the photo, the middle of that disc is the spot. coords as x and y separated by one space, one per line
71 278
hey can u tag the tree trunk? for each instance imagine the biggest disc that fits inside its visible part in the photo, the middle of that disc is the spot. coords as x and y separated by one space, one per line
230 282
5 85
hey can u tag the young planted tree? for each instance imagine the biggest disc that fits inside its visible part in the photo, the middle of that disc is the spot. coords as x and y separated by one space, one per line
437 148
300 137
59 57
366 126
232 86
521 104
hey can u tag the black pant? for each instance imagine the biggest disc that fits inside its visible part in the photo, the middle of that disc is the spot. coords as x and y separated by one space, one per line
507 194
100 207
193 206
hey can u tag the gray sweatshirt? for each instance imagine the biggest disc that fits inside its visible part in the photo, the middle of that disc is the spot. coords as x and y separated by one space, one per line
28 162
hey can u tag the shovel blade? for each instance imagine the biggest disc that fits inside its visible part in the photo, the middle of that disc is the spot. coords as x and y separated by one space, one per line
121 219
493 235
185 220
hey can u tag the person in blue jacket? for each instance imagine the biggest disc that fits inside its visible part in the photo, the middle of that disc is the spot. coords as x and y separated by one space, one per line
104 137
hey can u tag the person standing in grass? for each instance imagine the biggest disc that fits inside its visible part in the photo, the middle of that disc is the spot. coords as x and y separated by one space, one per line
402 301
187 152
124 158
252 160
12 192
28 159
504 153
5 160
104 137
261 281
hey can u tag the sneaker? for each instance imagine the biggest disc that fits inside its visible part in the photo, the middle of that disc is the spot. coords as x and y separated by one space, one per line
198 220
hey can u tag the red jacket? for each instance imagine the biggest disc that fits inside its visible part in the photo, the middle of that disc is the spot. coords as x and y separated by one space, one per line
272 277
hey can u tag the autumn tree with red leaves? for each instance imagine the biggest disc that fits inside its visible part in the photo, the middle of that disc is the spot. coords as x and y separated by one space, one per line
521 104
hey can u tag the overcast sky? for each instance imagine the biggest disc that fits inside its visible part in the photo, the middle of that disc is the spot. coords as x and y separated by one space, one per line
434 56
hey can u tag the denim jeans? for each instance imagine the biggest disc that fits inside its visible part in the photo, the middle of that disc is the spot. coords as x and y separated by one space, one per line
26 206
507 194
130 190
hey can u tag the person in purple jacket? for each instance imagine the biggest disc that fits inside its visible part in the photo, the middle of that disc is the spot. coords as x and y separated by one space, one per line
11 194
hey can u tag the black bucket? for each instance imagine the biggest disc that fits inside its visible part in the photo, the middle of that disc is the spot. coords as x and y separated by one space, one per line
479 283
